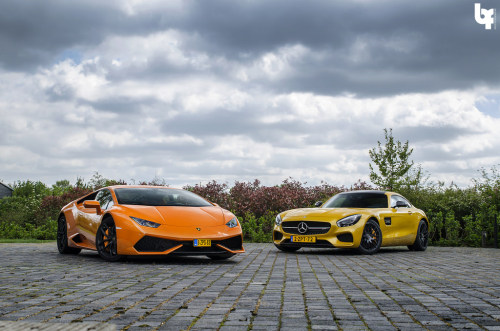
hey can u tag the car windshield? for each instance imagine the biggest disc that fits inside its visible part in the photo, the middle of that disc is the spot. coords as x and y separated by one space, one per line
357 200
159 197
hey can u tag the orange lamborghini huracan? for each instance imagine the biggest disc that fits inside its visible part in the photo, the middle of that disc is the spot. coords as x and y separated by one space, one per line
147 220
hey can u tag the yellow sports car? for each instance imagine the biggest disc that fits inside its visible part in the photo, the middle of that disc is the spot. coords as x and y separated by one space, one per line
366 220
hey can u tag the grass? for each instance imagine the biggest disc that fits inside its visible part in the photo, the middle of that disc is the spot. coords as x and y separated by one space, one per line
24 241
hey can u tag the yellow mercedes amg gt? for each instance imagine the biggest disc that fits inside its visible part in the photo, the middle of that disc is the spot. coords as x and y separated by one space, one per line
366 220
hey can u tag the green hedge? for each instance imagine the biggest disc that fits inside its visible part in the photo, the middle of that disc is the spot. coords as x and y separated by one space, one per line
458 216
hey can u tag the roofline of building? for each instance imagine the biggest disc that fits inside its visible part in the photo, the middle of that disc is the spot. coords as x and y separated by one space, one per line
7 186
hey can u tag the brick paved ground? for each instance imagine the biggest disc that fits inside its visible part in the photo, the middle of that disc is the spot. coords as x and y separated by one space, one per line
264 289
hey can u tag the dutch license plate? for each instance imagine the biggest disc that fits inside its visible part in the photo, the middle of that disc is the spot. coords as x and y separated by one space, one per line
303 239
202 243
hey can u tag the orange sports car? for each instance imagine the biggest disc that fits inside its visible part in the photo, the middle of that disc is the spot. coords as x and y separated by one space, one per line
147 220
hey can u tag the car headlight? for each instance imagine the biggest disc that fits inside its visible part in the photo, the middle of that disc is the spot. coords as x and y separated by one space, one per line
232 223
348 221
278 219
142 222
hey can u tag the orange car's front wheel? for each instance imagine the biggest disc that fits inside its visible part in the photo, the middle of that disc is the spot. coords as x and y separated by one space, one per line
106 241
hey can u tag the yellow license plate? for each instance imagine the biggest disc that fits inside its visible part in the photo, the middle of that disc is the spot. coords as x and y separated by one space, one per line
303 239
202 243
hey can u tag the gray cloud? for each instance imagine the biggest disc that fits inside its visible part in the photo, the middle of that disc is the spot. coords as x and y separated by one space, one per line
405 46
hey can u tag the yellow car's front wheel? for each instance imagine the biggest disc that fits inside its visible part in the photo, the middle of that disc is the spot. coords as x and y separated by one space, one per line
371 239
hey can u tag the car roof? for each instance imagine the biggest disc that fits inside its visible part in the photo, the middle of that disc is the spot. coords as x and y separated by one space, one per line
140 186
366 191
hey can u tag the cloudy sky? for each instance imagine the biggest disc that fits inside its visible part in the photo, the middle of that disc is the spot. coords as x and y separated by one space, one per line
191 91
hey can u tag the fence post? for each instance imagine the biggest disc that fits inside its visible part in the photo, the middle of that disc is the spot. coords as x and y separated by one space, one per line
496 231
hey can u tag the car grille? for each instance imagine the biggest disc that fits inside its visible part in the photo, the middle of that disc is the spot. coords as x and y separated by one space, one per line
312 227
154 244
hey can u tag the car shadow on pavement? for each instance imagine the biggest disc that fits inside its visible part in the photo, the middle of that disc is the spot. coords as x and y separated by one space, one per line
346 252
90 256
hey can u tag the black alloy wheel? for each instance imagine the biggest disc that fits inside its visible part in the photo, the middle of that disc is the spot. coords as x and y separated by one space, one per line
223 256
371 238
62 238
106 241
287 248
422 238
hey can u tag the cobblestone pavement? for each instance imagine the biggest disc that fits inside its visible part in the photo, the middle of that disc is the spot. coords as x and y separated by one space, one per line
263 289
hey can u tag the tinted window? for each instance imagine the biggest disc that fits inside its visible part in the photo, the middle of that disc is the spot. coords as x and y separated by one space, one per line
105 199
159 197
396 198
357 200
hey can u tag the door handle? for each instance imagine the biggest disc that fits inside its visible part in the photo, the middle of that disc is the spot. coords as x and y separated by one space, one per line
410 212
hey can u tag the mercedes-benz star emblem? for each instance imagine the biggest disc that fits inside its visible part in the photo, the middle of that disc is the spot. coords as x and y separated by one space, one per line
302 227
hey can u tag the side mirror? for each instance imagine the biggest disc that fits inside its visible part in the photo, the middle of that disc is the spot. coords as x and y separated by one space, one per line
318 203
93 204
400 204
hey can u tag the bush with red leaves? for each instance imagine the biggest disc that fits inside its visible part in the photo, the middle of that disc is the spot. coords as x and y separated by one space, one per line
252 197
51 205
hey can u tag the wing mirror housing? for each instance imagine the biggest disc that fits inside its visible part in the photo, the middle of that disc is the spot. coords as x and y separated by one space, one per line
93 204
400 204
318 203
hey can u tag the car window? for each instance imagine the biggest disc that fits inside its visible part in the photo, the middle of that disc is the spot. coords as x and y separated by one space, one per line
396 198
105 199
357 200
159 197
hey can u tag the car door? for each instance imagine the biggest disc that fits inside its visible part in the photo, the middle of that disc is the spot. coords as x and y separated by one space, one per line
404 220
88 220
83 218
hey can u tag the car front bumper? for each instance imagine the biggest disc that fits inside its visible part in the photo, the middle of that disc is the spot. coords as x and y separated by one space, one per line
134 239
335 237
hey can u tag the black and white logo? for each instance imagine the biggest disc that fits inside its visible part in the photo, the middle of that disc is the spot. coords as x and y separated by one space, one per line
302 227
486 17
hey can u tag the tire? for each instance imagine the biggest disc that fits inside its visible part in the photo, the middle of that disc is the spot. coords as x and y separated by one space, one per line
422 238
62 238
219 257
371 238
287 249
106 241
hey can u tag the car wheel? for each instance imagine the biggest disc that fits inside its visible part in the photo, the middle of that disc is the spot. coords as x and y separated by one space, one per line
287 249
422 238
371 239
62 238
106 241
220 256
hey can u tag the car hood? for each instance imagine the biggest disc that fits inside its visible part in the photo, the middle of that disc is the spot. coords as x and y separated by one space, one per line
181 216
321 214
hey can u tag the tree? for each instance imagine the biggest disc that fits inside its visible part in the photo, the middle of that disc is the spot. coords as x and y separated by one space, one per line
393 164
61 186
489 187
